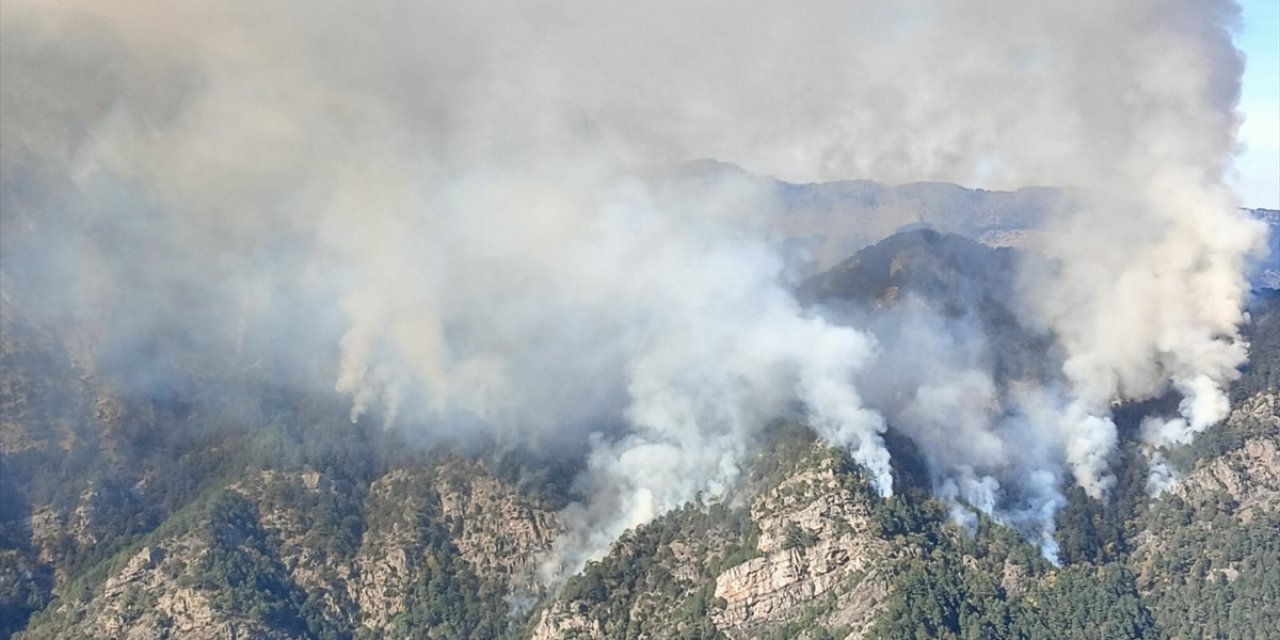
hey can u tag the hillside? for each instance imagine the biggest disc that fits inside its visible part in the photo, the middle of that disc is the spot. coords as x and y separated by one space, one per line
829 221
820 320
188 517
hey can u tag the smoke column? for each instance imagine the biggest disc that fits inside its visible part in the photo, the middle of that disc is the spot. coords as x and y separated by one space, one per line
468 210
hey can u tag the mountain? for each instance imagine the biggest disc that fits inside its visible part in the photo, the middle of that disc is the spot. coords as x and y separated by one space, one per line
268 514
1266 274
829 221
832 220
958 274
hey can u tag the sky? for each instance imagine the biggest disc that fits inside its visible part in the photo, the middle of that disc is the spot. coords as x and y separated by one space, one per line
1258 182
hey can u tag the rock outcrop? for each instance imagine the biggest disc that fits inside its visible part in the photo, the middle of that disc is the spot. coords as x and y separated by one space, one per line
500 532
1249 475
819 551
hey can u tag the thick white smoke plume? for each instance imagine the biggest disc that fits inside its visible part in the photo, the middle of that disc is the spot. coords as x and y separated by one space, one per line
1203 405
472 204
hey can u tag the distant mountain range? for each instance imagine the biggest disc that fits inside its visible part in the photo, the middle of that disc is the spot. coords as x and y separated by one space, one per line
832 220
1266 275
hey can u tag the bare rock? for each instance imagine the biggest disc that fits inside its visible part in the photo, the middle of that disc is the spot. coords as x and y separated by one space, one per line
819 548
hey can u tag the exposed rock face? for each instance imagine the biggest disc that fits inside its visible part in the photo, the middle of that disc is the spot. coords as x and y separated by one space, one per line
776 589
93 523
498 531
1250 475
153 596
822 564
315 567
566 620
390 558
817 539
806 548
1212 535
360 582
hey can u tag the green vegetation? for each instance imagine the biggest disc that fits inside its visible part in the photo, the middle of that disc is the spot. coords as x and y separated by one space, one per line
951 593
644 589
1171 570
218 469
241 571
1262 372
1215 576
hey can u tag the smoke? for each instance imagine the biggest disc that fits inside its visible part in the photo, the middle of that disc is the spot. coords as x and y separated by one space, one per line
1203 405
1148 289
462 217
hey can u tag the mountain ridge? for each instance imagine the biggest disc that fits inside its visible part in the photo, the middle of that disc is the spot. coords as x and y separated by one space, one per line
304 526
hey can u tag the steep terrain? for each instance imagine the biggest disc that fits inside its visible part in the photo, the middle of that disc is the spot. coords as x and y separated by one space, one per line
832 220
269 515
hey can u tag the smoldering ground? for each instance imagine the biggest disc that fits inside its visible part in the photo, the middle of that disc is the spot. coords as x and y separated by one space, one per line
460 217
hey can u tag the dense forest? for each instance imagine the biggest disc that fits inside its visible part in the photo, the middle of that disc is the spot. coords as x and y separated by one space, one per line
270 511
